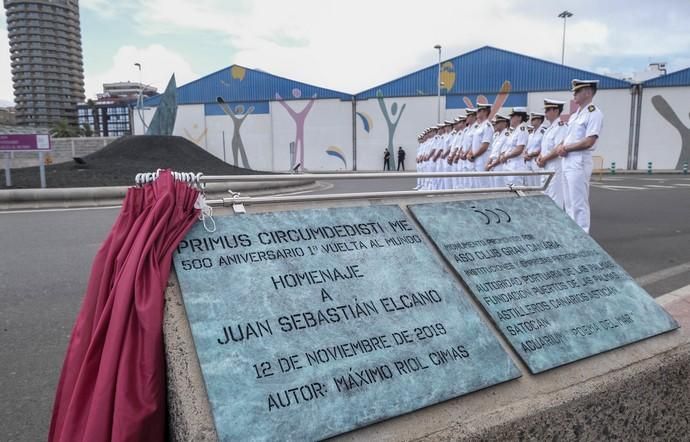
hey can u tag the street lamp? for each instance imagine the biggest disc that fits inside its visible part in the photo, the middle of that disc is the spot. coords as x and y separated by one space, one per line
140 98
564 15
438 84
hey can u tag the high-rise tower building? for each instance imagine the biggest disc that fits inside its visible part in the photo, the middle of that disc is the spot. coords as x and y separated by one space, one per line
46 60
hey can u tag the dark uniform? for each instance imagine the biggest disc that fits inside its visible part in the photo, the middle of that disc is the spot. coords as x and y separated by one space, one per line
401 158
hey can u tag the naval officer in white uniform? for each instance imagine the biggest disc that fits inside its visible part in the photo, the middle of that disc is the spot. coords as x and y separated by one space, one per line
548 158
533 148
481 139
512 151
584 129
501 134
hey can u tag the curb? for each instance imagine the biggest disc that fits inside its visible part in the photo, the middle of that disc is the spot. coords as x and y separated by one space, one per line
681 294
113 195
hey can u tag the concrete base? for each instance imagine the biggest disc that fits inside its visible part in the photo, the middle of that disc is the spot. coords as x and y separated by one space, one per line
638 392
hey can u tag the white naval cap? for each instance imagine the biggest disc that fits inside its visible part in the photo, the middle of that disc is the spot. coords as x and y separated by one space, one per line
459 119
579 84
447 122
470 110
501 117
549 103
534 115
520 110
481 106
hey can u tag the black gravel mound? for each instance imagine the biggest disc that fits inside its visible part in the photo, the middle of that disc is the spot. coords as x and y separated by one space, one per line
118 163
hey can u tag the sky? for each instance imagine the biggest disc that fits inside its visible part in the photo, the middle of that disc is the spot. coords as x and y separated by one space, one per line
354 45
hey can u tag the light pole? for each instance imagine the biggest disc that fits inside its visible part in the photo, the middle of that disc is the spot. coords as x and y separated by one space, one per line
438 84
140 98
564 15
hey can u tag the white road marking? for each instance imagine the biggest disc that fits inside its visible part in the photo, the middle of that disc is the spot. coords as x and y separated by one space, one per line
658 186
615 188
660 275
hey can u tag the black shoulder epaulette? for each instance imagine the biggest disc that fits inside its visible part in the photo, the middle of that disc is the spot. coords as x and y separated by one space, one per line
522 127
543 130
591 108
560 123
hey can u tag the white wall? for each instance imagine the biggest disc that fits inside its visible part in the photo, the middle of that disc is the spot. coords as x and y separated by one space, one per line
328 123
190 124
660 142
615 104
419 113
255 134
137 127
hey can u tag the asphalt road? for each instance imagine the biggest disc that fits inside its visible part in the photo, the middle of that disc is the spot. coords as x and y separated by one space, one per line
643 222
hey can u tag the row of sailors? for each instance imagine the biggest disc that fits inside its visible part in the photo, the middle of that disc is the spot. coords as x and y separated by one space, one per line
472 143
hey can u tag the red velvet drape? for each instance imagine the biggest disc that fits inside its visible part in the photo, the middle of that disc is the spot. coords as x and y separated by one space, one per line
112 385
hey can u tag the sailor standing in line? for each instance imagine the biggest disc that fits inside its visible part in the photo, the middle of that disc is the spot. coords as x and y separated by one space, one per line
432 148
418 158
512 151
501 134
534 146
439 150
420 146
448 136
481 138
425 152
584 129
450 145
454 158
466 146
548 158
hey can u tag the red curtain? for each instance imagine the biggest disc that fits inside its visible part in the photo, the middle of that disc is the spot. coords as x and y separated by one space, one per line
112 385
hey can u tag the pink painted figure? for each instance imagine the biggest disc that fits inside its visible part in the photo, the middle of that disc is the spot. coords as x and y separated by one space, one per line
299 118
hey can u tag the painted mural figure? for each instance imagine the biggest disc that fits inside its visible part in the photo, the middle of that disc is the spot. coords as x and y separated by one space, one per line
237 116
299 118
392 125
662 106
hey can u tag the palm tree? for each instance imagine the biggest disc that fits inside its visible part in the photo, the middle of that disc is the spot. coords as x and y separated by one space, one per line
94 114
62 129
85 130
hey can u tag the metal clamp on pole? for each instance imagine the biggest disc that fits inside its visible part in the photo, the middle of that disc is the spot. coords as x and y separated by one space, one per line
237 205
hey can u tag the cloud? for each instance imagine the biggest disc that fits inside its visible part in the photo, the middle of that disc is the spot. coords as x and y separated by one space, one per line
355 45
158 63
109 8
358 44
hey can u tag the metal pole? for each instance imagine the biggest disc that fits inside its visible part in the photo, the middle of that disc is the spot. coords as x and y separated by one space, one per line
42 169
563 44
140 99
236 199
8 169
564 15
438 84
358 176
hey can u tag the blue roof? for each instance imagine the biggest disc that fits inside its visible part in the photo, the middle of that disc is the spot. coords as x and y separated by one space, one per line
484 70
678 78
237 84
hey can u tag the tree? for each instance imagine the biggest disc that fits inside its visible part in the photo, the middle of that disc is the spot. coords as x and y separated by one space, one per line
85 130
62 129
94 113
